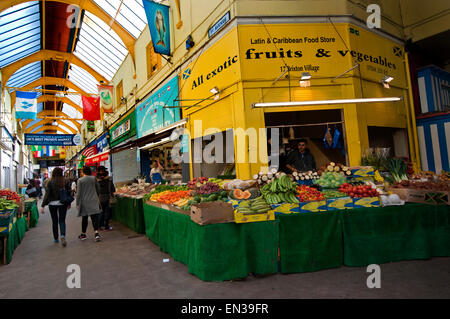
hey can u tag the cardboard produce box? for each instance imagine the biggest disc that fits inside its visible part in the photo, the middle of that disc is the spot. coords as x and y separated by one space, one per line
422 196
212 213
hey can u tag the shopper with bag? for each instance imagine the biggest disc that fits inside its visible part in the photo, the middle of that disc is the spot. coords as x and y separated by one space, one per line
58 198
32 191
88 203
106 195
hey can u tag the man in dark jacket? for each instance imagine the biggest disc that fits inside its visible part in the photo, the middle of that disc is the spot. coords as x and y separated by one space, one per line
301 160
106 192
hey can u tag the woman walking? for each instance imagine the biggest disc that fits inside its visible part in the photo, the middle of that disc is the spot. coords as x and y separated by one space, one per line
88 203
58 210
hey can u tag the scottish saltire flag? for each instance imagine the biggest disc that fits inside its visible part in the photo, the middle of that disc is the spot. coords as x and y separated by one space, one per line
26 105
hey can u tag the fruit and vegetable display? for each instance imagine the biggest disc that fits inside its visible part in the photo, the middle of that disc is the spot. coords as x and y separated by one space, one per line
397 167
208 188
281 190
135 190
238 184
444 176
6 204
306 194
266 178
331 180
170 197
359 191
163 188
238 194
197 182
305 176
254 206
334 167
219 196
10 195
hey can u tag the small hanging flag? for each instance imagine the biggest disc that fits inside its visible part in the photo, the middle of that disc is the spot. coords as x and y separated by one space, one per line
106 93
91 108
26 105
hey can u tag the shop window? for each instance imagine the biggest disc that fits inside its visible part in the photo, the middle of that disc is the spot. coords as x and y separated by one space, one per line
153 61
119 93
311 125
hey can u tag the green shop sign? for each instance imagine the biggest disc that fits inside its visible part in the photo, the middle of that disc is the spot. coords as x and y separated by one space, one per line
124 130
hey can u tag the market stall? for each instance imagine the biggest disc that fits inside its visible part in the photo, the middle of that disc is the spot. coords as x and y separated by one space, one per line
128 208
31 212
307 221
13 224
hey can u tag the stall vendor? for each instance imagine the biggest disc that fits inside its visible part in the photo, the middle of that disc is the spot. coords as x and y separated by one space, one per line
156 173
301 160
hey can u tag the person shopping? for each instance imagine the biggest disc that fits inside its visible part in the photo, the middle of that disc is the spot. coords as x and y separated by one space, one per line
107 190
88 203
58 210
32 190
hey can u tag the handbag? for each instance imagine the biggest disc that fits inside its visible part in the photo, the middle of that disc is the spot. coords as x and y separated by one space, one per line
31 190
65 197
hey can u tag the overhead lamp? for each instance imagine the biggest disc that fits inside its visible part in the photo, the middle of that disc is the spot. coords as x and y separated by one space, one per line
386 80
306 76
327 102
54 123
305 80
216 97
214 90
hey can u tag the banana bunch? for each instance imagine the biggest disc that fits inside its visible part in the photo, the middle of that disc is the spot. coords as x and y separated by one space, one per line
254 206
281 190
378 178
182 202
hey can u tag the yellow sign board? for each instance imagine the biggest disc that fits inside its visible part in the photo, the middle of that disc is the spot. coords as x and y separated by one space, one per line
218 66
269 51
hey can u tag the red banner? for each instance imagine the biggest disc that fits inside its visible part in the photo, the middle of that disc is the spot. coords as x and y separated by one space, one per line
91 108
97 159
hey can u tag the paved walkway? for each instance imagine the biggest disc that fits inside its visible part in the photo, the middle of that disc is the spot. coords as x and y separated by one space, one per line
126 265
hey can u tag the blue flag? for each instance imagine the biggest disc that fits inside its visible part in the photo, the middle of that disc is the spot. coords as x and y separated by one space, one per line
158 23
26 105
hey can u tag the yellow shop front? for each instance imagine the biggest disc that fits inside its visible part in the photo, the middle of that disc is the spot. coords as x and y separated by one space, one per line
247 86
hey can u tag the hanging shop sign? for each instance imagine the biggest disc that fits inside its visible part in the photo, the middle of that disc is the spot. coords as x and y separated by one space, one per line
52 139
124 130
151 115
102 142
159 25
269 51
106 93
218 66
101 157
90 126
219 24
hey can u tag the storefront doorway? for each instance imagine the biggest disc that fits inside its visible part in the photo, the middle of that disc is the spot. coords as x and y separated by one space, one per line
312 126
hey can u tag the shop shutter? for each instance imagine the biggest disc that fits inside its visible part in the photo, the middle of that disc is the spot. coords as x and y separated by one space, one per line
124 165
